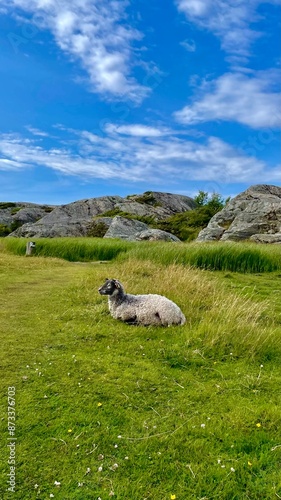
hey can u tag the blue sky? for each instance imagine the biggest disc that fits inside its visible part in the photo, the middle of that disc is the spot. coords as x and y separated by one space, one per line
104 97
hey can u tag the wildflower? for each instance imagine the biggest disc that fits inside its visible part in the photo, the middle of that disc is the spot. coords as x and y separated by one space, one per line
100 469
126 458
111 493
258 424
173 497
100 457
36 486
261 366
219 460
203 425
51 495
114 467
232 470
69 430
57 483
116 446
80 485
99 404
250 463
88 470
119 437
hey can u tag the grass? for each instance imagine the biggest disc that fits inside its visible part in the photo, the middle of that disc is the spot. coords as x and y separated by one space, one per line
71 249
235 257
187 412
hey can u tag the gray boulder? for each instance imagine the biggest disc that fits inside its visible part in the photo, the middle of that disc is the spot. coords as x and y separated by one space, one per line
78 218
21 213
255 212
266 238
68 220
156 235
156 204
125 229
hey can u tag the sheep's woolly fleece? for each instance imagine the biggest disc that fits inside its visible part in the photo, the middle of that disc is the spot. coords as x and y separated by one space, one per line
150 309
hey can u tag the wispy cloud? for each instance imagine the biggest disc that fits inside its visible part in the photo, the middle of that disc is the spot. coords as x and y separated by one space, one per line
36 131
95 33
251 100
232 22
189 45
161 159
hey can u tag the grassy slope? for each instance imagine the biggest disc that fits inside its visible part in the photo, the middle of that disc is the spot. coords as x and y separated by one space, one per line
186 401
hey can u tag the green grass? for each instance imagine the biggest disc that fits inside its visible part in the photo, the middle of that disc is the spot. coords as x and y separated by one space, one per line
236 257
71 249
190 411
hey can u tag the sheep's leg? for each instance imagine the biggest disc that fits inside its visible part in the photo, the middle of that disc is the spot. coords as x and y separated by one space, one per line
131 321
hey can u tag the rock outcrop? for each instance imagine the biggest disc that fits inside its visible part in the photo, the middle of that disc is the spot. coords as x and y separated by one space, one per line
13 215
156 235
134 230
126 229
253 215
68 220
78 218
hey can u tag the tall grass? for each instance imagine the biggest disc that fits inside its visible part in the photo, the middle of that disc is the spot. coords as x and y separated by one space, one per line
236 257
71 249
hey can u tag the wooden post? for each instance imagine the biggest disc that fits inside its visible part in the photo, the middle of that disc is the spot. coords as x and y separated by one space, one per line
30 248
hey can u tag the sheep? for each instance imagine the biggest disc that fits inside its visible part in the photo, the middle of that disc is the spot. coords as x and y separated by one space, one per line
144 310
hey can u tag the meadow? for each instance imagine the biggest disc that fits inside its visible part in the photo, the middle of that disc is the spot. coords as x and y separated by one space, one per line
108 410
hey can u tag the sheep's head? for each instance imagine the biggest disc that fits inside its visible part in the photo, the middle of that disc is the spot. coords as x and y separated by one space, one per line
110 287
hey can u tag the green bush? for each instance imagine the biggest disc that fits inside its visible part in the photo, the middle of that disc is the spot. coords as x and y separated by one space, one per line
186 225
97 229
7 204
148 198
15 210
4 230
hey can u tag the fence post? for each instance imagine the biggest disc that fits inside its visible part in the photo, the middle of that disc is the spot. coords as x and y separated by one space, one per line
30 248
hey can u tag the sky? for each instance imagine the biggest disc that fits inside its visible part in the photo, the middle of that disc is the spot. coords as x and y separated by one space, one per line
117 97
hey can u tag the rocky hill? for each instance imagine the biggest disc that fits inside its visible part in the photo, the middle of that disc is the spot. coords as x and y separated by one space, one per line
109 216
253 215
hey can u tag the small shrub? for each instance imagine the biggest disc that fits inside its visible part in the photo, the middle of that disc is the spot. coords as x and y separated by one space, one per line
15 210
4 230
148 198
6 204
97 229
47 209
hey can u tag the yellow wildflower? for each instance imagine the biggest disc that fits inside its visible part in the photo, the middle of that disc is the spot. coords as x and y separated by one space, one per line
258 424
173 497
99 404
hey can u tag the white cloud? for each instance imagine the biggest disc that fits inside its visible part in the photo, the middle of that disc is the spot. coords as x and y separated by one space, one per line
251 100
36 131
137 130
230 21
95 33
189 45
158 159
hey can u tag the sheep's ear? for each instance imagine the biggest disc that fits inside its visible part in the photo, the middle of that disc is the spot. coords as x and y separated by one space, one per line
118 285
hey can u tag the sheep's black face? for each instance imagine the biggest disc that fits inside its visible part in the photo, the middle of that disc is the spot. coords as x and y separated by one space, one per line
109 287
